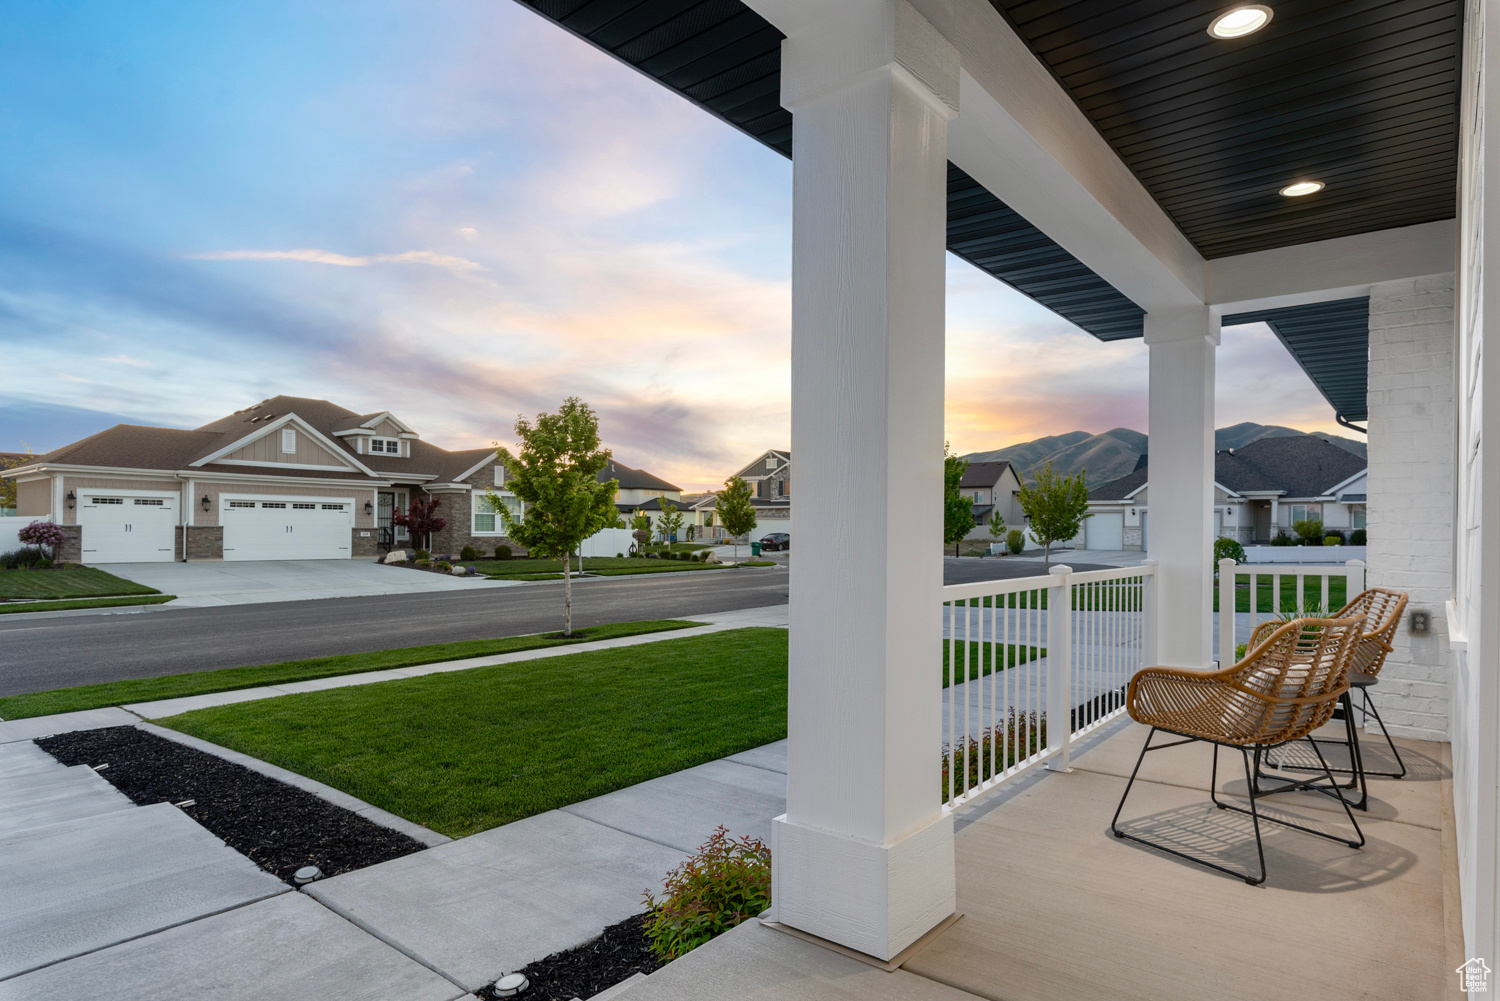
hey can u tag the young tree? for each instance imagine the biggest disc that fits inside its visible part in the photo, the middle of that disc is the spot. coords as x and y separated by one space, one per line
420 521
8 487
1056 506
997 525
670 522
958 511
736 512
640 529
556 477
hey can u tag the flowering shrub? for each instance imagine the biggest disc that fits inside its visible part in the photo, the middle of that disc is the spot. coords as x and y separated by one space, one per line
725 882
42 533
1020 736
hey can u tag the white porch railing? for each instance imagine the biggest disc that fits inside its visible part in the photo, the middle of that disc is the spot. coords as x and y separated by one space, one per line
1234 630
1034 664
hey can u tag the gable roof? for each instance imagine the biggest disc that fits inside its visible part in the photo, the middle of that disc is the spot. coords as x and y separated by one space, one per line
983 474
1300 466
756 468
634 479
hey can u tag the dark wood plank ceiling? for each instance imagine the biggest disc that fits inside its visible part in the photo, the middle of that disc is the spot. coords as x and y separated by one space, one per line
726 58
1362 96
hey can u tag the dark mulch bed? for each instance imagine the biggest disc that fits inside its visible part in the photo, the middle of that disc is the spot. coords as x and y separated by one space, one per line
278 827
618 954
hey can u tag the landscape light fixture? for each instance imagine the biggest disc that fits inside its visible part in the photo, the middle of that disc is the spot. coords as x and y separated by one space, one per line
1237 22
205 502
1302 188
511 984
306 875
72 499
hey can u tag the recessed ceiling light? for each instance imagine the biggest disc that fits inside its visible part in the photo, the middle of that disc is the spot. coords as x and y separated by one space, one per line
1240 21
1302 188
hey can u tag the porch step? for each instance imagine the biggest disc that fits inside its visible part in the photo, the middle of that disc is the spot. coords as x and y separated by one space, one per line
36 790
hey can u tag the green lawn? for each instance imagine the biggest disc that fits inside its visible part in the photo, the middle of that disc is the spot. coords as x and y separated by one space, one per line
67 582
982 658
61 606
1312 594
1105 596
114 693
470 750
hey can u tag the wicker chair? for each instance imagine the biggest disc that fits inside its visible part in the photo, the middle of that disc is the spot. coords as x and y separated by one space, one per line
1382 609
1286 687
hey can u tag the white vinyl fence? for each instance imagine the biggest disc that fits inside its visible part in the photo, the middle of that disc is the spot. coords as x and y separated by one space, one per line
1041 661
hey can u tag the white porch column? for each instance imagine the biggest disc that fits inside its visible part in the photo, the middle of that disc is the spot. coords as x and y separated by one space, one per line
1182 344
864 853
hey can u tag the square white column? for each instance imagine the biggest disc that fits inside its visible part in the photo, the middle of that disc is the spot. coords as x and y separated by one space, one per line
864 854
1182 344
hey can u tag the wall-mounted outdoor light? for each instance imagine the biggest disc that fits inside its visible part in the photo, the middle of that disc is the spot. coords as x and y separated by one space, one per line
72 500
205 502
369 507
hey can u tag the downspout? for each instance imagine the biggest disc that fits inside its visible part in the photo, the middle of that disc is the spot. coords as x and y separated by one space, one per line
1344 422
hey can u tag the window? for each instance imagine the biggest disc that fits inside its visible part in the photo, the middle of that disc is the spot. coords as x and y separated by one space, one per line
272 504
242 503
148 502
387 446
109 500
305 507
288 441
331 507
487 520
1306 512
771 462
1357 516
499 474
976 497
781 488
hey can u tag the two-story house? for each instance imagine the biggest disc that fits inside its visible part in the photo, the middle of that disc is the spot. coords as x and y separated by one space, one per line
287 478
769 477
995 489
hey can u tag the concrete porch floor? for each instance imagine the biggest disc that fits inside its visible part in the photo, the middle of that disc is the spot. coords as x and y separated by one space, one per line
1055 908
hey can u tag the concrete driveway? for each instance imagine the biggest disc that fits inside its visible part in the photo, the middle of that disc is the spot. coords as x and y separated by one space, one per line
220 583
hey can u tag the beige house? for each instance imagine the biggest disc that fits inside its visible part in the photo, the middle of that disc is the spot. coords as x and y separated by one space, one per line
995 489
284 479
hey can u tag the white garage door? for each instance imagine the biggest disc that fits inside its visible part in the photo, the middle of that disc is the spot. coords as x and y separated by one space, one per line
1105 531
285 528
127 528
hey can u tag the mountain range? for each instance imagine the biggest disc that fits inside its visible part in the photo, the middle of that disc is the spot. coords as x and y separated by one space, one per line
1115 452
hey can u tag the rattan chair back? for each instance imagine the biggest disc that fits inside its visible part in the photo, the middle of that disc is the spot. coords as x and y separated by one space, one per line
1382 609
1286 687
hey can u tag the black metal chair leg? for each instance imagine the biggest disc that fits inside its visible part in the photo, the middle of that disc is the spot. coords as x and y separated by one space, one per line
1347 812
1114 825
1369 710
1255 819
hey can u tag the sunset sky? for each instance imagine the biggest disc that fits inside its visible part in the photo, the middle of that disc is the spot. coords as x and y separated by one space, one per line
457 212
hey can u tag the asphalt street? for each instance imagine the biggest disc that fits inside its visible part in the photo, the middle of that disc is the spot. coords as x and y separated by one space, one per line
55 650
39 651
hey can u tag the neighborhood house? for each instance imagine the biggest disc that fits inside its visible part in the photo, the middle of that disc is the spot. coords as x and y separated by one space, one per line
769 477
286 479
1260 492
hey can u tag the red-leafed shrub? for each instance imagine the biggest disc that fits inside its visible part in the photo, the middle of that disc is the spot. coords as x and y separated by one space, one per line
726 881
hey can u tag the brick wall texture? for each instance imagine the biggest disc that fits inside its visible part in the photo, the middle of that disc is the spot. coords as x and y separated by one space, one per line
1411 490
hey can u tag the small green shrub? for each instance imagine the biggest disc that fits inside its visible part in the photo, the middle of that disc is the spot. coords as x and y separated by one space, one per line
1282 539
469 554
1239 654
725 882
444 566
1015 540
619 556
1226 548
1357 537
502 552
424 563
422 555
1309 529
1333 539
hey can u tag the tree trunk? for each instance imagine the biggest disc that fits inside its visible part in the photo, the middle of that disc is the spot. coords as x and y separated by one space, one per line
567 594
1046 556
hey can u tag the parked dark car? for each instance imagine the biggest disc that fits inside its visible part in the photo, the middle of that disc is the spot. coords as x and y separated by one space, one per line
776 540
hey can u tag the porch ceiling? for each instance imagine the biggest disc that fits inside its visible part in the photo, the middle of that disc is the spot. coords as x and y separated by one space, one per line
1362 96
1330 340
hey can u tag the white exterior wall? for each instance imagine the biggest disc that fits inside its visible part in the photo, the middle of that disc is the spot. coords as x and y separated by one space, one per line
1410 543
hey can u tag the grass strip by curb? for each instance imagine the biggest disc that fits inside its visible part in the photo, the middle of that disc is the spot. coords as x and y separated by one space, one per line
466 751
115 693
9 607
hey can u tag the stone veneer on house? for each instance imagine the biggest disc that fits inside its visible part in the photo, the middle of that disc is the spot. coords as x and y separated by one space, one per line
1411 491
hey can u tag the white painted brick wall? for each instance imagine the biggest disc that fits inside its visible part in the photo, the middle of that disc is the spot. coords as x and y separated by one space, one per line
1411 490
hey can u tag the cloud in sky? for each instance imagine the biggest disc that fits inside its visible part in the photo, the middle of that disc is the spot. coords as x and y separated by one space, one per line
341 260
572 229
